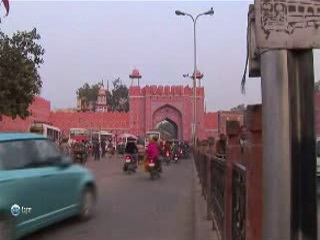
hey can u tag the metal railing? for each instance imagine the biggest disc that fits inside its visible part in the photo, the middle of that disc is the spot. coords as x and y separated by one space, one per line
238 202
218 171
215 178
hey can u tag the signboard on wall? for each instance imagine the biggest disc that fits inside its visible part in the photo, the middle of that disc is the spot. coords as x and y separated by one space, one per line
288 24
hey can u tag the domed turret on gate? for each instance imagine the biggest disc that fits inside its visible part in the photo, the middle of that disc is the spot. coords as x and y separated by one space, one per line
135 74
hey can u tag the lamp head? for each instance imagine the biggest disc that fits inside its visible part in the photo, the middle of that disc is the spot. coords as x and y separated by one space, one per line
179 13
210 12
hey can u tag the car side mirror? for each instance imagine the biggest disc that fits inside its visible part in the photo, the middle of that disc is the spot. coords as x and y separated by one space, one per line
66 161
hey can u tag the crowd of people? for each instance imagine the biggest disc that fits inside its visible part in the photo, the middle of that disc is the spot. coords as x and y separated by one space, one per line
219 148
95 148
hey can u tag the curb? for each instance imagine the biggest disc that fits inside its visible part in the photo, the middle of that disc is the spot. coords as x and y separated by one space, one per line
202 228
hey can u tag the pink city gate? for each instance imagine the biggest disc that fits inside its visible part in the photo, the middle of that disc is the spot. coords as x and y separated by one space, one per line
152 104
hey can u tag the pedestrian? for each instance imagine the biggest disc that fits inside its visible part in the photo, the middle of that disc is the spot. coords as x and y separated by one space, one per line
103 148
64 147
221 146
111 149
96 150
243 138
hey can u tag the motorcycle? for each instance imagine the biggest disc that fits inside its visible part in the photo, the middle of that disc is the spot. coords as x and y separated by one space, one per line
153 169
167 157
175 157
129 165
183 153
80 158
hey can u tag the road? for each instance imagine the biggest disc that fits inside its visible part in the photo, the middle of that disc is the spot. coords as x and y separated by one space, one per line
134 207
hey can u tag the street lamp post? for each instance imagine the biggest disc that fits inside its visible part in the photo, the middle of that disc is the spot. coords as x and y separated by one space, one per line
194 121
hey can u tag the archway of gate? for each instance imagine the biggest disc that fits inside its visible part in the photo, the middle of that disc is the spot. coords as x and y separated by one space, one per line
168 119
169 129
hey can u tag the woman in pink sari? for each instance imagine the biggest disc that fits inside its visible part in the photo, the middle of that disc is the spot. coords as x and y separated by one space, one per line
153 152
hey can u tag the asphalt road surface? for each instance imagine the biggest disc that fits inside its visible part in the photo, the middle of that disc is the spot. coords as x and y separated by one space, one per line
134 207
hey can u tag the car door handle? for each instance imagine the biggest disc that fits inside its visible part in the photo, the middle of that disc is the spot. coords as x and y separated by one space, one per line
46 176
5 181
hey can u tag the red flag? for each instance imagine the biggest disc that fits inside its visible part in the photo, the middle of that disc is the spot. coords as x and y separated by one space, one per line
6 5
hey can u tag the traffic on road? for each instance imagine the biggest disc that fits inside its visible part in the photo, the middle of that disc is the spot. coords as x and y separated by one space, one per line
44 183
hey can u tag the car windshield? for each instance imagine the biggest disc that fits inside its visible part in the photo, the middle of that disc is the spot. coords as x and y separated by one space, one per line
27 153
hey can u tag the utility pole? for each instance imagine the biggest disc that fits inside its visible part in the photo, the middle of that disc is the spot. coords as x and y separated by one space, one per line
289 156
194 76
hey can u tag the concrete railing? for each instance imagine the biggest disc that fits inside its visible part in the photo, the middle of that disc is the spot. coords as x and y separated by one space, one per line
232 186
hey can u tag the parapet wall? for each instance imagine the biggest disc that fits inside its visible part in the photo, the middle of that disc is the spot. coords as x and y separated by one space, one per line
119 122
39 110
164 91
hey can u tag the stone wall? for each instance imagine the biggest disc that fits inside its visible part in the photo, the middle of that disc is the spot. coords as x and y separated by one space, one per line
40 111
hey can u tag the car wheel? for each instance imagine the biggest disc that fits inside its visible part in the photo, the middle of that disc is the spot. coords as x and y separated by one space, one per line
87 204
5 229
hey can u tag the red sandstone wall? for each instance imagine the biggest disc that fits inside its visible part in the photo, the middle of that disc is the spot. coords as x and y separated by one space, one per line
224 116
144 102
211 124
40 111
115 122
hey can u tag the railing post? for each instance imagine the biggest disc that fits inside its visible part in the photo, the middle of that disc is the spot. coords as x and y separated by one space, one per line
204 159
254 162
209 193
232 156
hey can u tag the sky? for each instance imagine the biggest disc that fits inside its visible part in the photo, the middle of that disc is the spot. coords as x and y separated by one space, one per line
87 41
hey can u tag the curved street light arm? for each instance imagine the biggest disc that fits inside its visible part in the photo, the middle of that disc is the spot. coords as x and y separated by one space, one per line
199 16
187 14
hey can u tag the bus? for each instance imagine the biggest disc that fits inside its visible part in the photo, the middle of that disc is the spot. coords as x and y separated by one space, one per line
78 134
51 132
150 134
122 141
123 138
107 137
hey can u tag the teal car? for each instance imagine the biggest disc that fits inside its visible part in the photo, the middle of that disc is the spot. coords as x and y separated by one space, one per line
39 186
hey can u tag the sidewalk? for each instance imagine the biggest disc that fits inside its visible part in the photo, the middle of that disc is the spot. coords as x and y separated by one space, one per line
202 227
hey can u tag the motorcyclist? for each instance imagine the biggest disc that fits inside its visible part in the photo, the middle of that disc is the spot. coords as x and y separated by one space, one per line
167 147
153 151
79 149
132 149
175 148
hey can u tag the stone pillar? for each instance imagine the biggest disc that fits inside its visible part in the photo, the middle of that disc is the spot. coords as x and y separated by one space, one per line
253 156
232 157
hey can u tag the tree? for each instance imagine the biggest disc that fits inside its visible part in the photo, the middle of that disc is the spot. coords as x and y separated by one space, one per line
88 95
239 108
118 99
20 59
